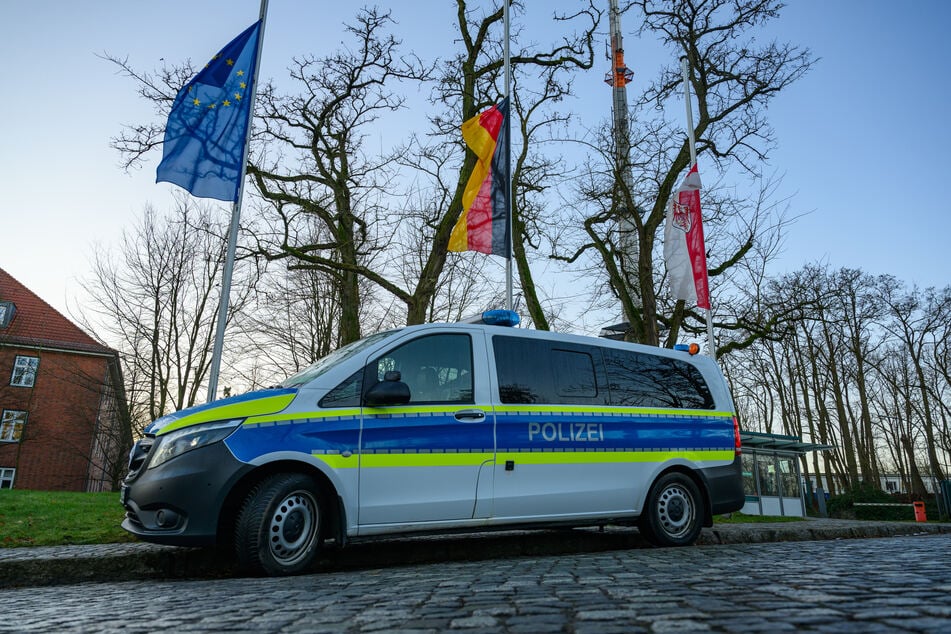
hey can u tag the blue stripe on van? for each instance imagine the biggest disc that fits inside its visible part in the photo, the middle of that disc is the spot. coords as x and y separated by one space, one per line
514 431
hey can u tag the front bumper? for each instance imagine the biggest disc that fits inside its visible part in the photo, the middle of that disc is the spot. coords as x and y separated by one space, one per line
180 501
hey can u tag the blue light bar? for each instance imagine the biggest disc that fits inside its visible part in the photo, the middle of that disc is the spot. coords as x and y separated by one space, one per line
501 317
682 347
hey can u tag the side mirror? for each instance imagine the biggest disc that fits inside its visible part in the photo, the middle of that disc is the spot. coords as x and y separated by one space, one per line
389 391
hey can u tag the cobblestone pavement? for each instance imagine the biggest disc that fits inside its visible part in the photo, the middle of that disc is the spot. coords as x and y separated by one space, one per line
61 565
860 585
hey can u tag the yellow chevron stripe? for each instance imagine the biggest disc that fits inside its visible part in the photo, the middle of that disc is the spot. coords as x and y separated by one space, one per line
582 409
602 457
232 411
338 462
449 409
292 418
377 461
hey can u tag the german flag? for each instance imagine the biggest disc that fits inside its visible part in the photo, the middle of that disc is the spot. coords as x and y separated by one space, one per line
483 225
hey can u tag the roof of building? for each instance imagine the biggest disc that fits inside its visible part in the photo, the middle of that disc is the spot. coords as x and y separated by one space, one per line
776 442
37 324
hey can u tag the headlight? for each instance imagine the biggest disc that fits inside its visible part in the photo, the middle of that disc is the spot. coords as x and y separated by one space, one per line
178 442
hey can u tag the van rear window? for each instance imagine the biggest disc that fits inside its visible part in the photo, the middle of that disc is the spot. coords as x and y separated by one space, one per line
646 380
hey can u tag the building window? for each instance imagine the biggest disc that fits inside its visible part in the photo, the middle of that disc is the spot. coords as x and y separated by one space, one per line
24 371
6 478
11 425
7 309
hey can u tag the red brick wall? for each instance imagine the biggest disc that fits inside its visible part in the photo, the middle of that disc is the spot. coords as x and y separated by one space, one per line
63 404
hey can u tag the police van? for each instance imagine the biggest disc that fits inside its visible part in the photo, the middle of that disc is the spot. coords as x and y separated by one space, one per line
444 427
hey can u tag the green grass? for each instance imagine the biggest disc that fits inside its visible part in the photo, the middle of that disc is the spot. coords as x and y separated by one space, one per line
740 518
56 518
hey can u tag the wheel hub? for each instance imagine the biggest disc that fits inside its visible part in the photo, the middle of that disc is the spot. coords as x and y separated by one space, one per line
293 527
675 510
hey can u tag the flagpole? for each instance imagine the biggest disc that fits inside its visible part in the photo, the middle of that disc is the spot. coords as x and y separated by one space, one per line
508 162
693 161
224 300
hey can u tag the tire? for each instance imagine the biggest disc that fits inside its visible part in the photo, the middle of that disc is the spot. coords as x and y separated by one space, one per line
673 514
278 529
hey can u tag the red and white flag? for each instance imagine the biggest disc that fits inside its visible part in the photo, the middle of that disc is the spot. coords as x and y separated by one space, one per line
683 244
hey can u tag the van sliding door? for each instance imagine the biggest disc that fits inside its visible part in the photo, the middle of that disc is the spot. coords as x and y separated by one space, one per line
424 461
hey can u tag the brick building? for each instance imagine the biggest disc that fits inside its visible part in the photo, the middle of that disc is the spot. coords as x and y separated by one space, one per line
65 423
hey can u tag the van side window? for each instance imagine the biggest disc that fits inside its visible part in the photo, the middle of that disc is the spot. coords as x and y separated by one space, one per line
574 374
347 394
535 371
645 380
437 368
523 371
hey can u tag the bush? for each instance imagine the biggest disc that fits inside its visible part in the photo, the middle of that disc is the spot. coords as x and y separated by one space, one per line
844 506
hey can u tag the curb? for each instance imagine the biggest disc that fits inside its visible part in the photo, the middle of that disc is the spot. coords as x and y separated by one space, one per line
59 565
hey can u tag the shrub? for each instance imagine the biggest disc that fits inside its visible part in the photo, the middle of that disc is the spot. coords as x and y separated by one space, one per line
844 506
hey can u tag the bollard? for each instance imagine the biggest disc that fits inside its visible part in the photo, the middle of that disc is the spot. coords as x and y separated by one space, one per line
920 512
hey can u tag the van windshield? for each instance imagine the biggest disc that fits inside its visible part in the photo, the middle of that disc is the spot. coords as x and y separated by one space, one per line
339 355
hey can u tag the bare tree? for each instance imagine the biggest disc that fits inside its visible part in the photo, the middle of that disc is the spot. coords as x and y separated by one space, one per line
291 319
156 302
468 83
312 162
733 79
914 318
309 158
859 368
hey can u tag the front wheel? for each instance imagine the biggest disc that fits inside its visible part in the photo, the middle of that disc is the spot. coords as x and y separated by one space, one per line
279 526
673 514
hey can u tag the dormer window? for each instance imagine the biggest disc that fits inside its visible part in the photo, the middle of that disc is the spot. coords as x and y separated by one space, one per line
7 309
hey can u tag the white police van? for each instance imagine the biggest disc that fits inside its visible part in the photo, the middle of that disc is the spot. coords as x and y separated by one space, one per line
438 427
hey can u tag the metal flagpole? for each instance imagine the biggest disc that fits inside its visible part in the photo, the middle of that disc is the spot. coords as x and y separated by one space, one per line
224 300
693 161
508 157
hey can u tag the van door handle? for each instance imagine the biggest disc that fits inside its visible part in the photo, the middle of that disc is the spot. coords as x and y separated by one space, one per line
470 415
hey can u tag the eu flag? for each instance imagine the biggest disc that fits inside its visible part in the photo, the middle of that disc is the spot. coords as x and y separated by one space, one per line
208 123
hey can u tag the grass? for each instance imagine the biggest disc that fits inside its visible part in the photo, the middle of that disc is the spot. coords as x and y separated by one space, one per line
57 518
740 518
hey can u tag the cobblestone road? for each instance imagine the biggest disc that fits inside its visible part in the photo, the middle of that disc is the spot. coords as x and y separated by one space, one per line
873 585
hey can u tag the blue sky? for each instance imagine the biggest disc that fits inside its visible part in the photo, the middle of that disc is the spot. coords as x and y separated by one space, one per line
860 137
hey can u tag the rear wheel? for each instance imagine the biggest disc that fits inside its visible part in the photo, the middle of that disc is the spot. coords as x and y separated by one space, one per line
279 526
673 514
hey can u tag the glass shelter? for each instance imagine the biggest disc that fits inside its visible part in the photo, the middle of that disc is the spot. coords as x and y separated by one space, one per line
772 478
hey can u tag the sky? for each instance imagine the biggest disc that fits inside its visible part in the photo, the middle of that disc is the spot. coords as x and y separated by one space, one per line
860 137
